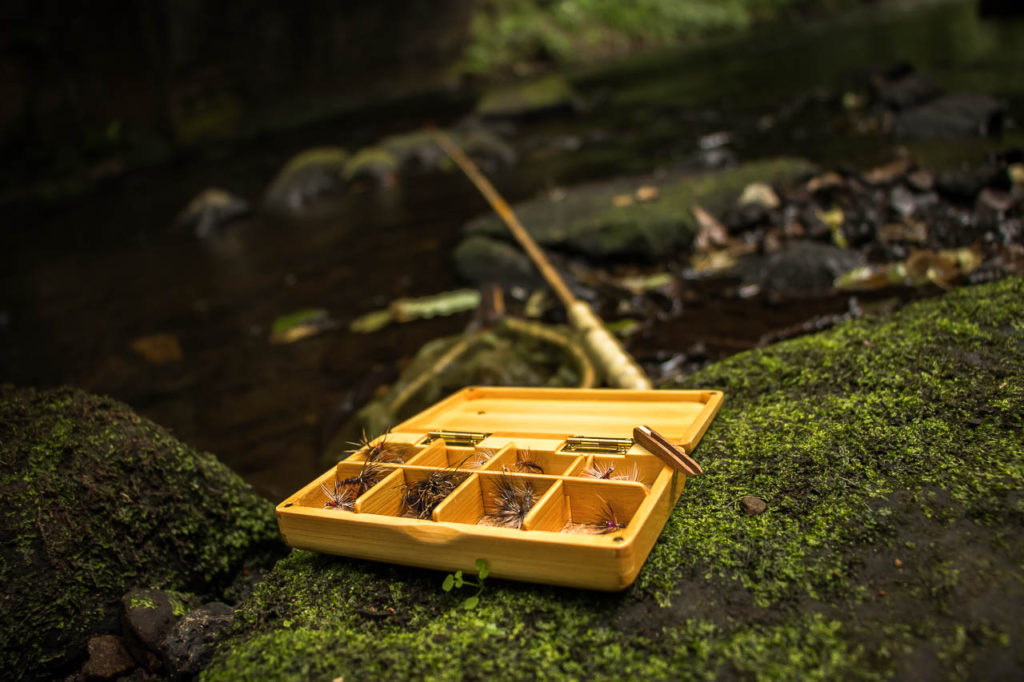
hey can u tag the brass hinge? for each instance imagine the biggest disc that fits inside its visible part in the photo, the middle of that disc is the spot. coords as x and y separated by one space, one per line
459 439
602 445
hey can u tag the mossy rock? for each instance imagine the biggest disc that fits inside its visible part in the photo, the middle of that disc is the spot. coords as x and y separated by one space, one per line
499 356
587 220
307 177
890 454
543 95
377 164
98 500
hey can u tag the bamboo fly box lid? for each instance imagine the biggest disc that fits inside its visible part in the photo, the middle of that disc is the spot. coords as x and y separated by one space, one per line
548 485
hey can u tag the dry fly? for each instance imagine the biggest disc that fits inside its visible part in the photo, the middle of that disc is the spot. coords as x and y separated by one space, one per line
421 497
481 457
525 463
343 497
381 452
608 522
607 472
511 501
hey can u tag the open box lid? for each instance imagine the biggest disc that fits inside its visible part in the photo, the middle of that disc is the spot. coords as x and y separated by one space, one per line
559 413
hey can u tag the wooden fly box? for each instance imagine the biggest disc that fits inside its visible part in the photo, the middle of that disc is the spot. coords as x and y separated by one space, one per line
547 485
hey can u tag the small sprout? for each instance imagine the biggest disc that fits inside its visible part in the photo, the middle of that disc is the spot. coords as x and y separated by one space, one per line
453 580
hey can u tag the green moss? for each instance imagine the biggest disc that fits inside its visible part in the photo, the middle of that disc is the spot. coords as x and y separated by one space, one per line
96 501
587 219
142 603
507 33
890 452
373 162
541 94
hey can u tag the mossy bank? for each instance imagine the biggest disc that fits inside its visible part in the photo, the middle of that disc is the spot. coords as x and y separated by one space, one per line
98 500
890 454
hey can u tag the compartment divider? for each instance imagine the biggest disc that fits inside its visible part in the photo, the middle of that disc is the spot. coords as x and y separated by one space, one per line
383 498
550 513
433 455
463 505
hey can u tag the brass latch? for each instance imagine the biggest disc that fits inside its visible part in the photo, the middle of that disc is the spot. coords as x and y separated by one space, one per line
602 445
458 439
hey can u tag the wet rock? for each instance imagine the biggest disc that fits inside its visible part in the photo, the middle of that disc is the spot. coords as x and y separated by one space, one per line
483 260
210 210
85 480
150 614
586 219
799 268
108 658
953 116
907 90
485 147
902 201
547 95
964 183
189 646
307 177
752 506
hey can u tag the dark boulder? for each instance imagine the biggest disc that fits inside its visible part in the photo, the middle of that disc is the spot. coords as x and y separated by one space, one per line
98 500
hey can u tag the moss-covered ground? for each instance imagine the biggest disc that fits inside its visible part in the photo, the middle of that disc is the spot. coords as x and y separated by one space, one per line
890 452
97 500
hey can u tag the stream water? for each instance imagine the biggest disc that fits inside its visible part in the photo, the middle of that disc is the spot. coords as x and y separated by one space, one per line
80 280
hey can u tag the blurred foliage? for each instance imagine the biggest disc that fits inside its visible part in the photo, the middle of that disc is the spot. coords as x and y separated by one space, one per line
514 33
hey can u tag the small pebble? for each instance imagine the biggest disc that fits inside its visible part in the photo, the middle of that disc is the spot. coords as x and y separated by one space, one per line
752 506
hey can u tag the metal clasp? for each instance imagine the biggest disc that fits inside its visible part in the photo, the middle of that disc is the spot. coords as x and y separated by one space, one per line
458 439
601 445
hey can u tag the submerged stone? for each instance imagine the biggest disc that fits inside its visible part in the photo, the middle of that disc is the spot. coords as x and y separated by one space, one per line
882 438
952 116
210 210
97 500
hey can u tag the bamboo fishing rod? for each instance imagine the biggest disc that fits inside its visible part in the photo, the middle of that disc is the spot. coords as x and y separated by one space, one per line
619 368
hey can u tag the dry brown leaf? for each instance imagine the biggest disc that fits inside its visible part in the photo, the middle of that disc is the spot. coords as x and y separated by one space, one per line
158 349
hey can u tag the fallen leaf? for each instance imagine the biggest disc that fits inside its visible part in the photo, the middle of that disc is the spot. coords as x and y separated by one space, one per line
710 232
759 193
300 325
825 181
888 172
646 193
158 349
913 231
